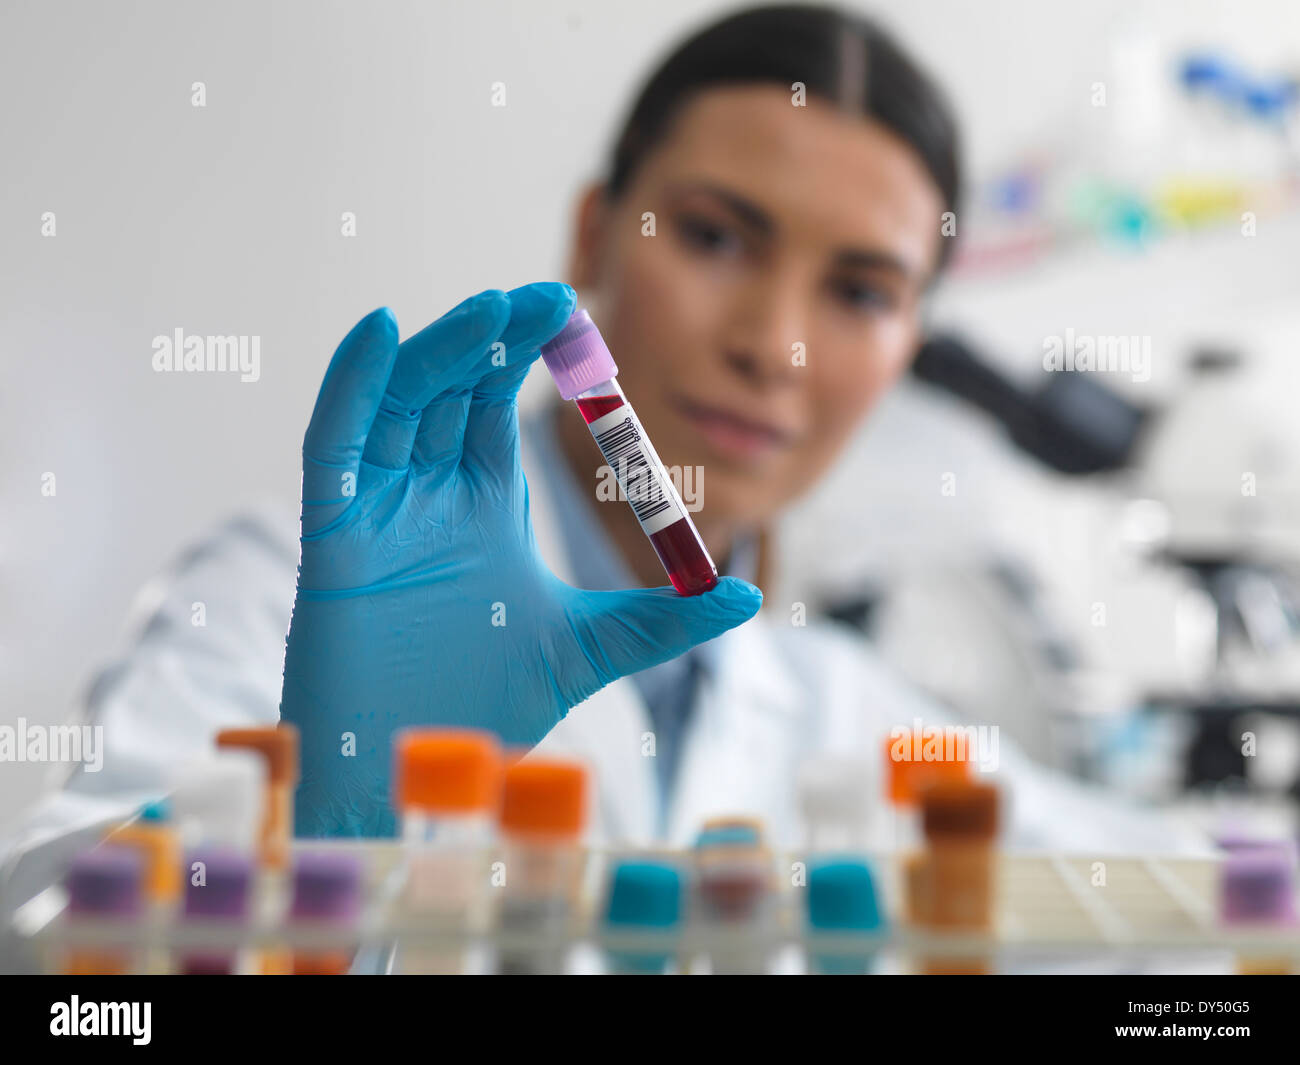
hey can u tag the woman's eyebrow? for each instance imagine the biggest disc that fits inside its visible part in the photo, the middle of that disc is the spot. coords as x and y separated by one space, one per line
862 259
758 219
750 213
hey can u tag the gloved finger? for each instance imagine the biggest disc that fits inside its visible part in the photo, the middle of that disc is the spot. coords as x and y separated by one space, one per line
441 359
345 410
622 632
441 435
537 313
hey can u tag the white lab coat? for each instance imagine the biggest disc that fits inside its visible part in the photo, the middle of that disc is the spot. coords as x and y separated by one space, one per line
781 693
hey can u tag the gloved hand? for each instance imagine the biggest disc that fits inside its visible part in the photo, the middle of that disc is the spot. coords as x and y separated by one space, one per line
422 598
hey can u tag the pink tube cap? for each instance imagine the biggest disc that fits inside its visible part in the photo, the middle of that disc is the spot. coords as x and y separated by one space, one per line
577 356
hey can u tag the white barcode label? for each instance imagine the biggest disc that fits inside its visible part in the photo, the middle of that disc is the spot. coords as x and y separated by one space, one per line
640 474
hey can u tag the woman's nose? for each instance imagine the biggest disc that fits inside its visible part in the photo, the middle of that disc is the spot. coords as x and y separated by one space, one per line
767 332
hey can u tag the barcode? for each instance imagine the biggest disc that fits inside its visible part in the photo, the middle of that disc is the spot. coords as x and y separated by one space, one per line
621 446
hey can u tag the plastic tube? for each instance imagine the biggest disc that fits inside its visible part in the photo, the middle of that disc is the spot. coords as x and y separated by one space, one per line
644 898
835 804
218 800
218 893
585 371
448 792
1257 891
543 814
842 902
915 760
952 888
220 804
154 837
734 901
278 745
103 884
327 895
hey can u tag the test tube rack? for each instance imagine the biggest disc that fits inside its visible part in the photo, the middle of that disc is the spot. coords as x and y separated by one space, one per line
1048 906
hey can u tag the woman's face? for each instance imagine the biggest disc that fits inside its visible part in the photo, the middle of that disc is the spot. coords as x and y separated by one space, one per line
777 297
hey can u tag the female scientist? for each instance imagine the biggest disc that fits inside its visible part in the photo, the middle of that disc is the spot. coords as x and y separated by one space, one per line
756 256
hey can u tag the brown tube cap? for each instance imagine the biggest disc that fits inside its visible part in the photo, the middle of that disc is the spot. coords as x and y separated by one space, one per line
278 744
965 810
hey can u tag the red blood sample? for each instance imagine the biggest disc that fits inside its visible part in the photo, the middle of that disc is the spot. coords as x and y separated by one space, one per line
678 545
594 407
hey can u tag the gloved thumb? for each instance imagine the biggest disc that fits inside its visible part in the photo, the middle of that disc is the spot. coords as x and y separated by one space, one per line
626 631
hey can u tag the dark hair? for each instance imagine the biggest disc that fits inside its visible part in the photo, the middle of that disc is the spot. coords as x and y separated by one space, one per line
845 59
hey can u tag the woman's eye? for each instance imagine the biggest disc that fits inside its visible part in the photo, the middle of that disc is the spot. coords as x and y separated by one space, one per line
864 297
708 236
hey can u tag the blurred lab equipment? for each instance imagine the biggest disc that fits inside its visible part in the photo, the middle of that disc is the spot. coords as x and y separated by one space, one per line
1204 513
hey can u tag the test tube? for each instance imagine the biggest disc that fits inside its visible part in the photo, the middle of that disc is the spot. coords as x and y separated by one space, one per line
220 803
734 901
835 799
645 899
584 370
907 776
218 799
448 791
729 831
909 773
1258 890
953 885
1236 840
327 895
218 896
279 746
154 837
103 884
543 814
842 902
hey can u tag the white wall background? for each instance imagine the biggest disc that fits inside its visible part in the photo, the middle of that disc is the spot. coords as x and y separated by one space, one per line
225 220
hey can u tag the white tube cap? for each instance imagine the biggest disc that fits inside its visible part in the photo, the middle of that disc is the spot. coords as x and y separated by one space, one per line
220 799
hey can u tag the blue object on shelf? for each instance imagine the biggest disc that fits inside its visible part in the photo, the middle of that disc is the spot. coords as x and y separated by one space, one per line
1201 70
644 895
1270 99
157 811
842 899
727 836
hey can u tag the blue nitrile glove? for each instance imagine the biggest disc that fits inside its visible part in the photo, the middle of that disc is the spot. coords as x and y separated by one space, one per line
422 599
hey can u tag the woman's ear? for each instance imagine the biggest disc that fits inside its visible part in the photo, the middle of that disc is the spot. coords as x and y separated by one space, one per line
588 238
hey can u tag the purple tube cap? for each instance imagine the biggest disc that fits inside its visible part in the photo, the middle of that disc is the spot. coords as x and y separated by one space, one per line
107 880
1236 840
223 891
577 356
326 887
1258 886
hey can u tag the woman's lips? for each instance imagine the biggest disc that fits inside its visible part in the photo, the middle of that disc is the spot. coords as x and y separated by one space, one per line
734 434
